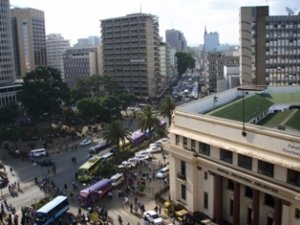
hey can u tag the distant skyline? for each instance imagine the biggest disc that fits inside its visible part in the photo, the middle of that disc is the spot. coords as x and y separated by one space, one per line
80 19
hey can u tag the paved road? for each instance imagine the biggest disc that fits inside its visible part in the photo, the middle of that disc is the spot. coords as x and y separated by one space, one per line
25 171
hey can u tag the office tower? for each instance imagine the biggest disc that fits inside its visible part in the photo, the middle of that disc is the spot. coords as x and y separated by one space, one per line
56 46
29 39
131 53
211 41
86 42
233 169
270 46
166 69
8 89
81 63
176 40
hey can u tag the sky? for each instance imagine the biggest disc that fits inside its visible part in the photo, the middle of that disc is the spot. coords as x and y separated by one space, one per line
81 18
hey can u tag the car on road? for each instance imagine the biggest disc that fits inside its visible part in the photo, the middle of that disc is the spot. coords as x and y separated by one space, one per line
125 165
45 162
143 155
152 217
133 162
85 142
162 173
154 147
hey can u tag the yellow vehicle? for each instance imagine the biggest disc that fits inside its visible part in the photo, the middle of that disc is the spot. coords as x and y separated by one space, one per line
89 169
171 208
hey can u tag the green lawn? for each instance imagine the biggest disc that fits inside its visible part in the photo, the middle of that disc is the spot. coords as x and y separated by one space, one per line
294 121
274 119
284 98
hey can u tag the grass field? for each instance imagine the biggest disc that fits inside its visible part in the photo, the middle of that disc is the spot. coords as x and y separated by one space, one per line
274 119
294 121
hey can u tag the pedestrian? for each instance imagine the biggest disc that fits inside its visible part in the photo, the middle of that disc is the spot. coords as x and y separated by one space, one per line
159 209
131 207
156 208
120 219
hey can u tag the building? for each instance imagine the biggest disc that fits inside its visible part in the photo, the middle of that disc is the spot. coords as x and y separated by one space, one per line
87 42
56 46
211 41
232 170
131 53
8 89
270 46
81 63
29 39
176 40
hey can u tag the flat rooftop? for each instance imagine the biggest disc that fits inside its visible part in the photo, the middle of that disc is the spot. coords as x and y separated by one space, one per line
274 107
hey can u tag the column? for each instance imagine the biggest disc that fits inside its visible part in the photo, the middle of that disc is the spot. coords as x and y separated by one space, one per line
255 207
236 203
278 211
218 199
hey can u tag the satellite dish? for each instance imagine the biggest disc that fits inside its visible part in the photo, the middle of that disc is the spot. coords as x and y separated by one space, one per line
290 12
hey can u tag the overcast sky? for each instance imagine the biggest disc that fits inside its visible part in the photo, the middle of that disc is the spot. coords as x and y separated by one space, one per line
81 18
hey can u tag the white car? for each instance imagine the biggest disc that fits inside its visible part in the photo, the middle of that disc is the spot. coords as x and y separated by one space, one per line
133 162
143 155
125 165
152 217
154 147
162 173
85 142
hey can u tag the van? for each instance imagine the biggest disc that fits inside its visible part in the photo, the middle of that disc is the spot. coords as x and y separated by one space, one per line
162 173
38 152
117 179
108 156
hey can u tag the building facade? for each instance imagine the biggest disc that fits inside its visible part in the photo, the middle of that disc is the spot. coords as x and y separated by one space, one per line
56 46
232 171
131 53
8 89
81 63
29 39
176 40
211 41
270 46
88 42
166 69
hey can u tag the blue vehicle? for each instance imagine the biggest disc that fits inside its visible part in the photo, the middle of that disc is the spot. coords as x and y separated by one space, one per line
52 211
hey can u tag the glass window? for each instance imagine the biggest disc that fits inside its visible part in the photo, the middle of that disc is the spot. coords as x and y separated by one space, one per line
265 168
182 168
193 145
184 141
177 139
231 207
269 200
205 200
225 155
204 148
183 192
248 192
230 185
293 177
245 162
297 213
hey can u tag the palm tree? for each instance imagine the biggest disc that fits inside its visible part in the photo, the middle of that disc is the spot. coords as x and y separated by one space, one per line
115 133
166 107
147 119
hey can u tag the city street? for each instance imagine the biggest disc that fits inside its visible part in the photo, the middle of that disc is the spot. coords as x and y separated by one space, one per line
24 172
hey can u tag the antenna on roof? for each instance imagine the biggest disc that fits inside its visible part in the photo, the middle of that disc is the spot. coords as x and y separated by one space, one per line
290 12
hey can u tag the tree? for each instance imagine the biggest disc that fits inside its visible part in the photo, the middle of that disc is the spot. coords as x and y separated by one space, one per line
147 119
8 113
115 133
126 99
166 107
91 109
184 60
43 93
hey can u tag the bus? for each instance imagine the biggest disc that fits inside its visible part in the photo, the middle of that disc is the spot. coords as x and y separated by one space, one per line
137 137
89 169
98 147
52 211
107 157
90 195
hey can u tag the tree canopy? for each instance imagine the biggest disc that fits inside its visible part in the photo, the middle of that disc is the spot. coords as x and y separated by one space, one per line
147 118
185 60
166 107
116 133
43 92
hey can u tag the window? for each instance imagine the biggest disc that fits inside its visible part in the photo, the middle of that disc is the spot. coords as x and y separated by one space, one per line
183 192
293 177
205 175
249 216
297 213
182 168
193 145
225 155
269 200
204 148
185 142
265 168
245 162
230 185
177 139
248 192
231 207
205 200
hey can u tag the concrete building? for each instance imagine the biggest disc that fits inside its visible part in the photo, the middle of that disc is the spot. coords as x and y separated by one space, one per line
29 39
228 168
176 40
81 63
211 41
88 42
56 46
8 89
231 76
270 46
166 69
131 53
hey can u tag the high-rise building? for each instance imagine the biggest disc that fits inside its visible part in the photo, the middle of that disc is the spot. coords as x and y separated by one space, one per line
270 46
166 69
131 53
211 41
29 39
87 42
8 89
81 63
230 165
56 47
176 40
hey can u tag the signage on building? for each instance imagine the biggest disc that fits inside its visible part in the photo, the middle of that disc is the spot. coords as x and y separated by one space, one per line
292 149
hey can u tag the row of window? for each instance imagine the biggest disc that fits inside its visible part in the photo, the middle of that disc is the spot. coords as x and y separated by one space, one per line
243 161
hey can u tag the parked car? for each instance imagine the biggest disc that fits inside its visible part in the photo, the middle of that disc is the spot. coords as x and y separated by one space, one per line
152 217
154 147
133 162
162 173
125 165
143 155
85 142
46 162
